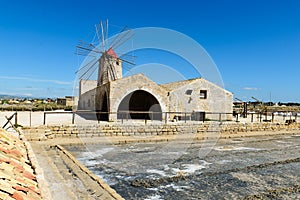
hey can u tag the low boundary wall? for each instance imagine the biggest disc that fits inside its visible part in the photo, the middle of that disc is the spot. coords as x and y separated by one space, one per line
116 129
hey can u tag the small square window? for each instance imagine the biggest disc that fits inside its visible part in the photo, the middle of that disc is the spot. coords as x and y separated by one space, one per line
203 94
188 92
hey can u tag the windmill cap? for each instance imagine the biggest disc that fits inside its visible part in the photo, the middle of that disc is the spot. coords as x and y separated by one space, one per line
112 53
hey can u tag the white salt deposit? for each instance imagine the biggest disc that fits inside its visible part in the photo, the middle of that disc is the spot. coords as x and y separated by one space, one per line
191 168
102 151
231 148
156 171
154 197
283 142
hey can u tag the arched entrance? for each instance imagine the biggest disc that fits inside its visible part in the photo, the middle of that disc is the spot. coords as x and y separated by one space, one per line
139 105
103 115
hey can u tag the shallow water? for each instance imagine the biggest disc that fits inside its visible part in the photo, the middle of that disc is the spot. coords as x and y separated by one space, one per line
266 166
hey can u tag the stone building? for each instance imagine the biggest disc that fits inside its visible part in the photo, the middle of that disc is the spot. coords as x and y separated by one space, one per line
138 97
67 101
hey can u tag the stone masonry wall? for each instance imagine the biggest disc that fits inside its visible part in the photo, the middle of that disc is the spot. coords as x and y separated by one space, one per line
117 129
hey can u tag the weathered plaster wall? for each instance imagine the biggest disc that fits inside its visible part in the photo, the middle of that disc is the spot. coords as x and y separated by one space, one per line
87 101
218 100
122 87
86 85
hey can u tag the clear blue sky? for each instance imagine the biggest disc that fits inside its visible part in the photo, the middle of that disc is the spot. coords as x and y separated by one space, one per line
254 43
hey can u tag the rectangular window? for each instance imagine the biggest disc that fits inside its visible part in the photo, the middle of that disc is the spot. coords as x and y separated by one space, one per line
203 94
188 92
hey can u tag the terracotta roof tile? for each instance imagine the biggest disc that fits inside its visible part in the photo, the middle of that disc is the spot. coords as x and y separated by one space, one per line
4 175
33 195
19 195
17 177
5 196
34 189
7 189
29 175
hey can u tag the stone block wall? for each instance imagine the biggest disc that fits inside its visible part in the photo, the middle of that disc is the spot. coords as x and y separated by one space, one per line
117 129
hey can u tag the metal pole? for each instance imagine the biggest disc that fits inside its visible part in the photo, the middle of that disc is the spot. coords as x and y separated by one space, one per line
259 117
73 117
16 119
184 117
251 117
166 117
272 117
220 117
30 118
266 117
44 118
237 117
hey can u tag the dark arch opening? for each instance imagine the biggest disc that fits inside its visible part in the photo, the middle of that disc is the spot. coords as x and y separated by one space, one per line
139 105
103 115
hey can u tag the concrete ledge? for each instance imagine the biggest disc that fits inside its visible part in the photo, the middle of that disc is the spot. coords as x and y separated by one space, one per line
87 177
44 188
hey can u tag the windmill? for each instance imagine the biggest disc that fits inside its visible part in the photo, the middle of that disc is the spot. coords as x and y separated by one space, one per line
100 55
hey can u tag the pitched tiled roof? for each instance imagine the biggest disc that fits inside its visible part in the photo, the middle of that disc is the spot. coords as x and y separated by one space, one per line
17 177
112 53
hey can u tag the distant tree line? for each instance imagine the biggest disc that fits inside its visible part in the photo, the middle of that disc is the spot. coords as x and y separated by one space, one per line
289 104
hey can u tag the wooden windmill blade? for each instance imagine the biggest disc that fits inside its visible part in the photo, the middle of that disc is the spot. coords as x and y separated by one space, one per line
89 46
88 50
124 37
126 56
124 60
87 69
118 36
